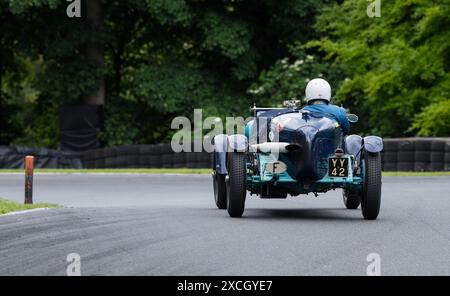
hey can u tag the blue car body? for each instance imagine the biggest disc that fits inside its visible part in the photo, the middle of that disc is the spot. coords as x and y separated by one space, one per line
308 142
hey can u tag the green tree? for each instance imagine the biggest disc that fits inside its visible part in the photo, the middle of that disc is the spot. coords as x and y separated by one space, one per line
288 77
397 64
156 59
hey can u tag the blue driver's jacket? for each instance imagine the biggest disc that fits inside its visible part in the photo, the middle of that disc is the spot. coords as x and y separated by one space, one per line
339 114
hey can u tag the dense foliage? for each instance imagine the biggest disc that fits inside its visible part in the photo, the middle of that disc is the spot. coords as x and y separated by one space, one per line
393 70
165 58
162 58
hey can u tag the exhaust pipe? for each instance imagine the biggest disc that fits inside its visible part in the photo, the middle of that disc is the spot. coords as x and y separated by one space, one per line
270 147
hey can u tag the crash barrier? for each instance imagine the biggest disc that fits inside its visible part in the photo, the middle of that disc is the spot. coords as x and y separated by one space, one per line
145 156
416 154
400 154
13 157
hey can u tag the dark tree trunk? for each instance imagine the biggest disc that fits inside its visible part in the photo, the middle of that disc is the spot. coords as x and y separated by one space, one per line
94 51
118 66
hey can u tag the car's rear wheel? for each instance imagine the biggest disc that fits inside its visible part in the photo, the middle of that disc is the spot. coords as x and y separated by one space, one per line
352 198
236 184
220 191
371 197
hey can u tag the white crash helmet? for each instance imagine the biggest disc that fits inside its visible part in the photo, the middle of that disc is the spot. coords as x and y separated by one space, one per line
318 89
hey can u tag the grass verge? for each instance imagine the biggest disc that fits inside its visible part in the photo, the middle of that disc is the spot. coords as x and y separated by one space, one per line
114 171
184 171
7 206
416 174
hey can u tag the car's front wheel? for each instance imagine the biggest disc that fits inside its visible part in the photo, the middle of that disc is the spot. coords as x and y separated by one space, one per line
371 197
236 184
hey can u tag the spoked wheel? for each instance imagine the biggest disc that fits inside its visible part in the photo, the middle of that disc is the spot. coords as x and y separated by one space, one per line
220 191
352 198
371 197
236 184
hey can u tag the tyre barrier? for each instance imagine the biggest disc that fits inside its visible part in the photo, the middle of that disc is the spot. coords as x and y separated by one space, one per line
144 156
13 157
399 154
416 154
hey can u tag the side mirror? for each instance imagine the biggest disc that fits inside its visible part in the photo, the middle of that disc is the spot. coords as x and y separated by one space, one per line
353 118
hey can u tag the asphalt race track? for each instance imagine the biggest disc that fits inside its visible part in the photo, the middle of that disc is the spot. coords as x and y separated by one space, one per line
169 225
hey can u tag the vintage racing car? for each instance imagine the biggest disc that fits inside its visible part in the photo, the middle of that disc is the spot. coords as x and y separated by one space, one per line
293 151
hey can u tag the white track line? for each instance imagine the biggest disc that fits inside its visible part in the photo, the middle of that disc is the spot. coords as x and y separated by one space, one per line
24 212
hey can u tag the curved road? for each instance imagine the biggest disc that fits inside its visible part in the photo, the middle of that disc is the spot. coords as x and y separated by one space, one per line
168 225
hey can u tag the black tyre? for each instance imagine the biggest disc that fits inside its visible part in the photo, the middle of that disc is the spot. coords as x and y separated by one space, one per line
191 157
179 160
422 144
203 165
191 165
121 161
390 145
99 153
405 145
421 166
87 155
390 167
447 146
405 166
371 197
89 164
438 146
203 157
447 157
110 152
236 184
422 156
132 161
405 156
100 163
436 166
220 191
167 160
110 162
148 149
437 156
389 157
352 198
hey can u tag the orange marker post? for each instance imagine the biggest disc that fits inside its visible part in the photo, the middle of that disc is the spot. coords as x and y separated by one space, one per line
29 166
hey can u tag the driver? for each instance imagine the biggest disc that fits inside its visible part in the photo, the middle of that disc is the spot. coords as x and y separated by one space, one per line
318 96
